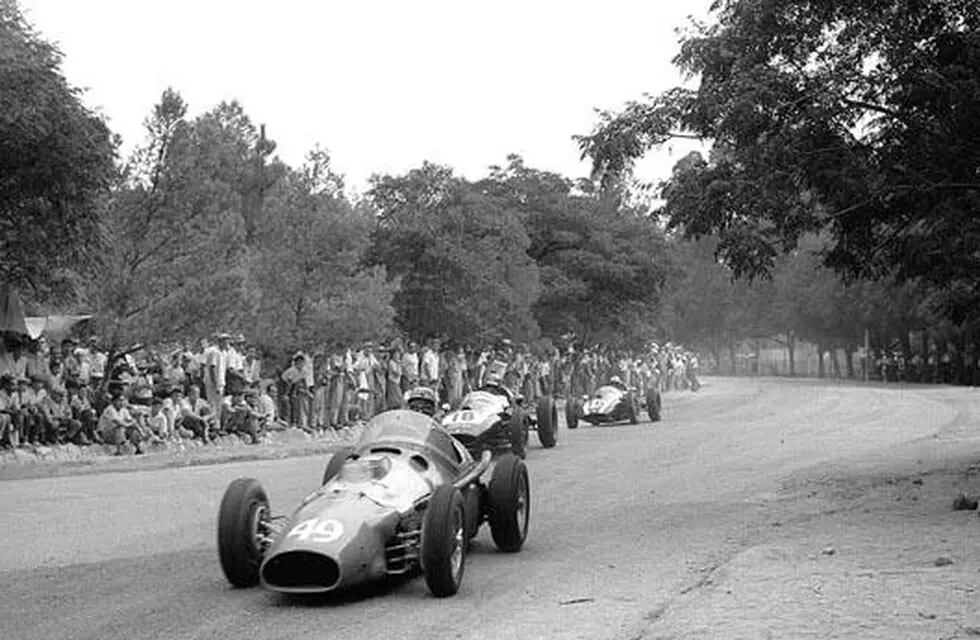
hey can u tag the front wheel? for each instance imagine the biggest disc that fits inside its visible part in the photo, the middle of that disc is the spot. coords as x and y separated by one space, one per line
509 503
547 422
444 541
243 520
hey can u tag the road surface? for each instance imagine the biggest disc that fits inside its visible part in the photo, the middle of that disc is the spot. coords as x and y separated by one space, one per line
624 521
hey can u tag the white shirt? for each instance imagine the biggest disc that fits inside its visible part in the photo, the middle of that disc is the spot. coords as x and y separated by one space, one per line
215 357
430 365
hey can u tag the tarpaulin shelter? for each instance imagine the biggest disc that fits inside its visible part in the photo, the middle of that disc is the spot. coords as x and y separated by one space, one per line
13 320
12 312
54 328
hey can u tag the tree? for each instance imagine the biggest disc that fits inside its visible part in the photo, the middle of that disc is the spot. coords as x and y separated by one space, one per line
173 238
307 265
56 161
461 255
602 268
858 119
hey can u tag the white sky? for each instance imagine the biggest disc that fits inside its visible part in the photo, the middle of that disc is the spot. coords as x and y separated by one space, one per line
383 84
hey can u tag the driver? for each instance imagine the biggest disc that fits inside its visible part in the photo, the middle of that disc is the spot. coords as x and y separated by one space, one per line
494 382
422 400
617 382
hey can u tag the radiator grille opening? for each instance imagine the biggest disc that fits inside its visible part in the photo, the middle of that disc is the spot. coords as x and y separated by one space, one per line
301 570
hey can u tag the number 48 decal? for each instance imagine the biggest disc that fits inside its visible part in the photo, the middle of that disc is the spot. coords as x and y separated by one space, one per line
317 530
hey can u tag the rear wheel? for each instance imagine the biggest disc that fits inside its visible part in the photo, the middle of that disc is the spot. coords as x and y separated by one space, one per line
444 541
243 520
336 461
632 411
653 405
509 503
572 411
547 422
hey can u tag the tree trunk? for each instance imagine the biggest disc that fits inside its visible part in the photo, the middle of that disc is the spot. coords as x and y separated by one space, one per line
821 370
731 354
791 349
849 360
836 360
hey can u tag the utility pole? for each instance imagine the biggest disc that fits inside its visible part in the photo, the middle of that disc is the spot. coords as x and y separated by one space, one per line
867 352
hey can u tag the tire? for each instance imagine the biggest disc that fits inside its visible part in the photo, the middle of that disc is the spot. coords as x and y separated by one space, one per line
547 422
444 541
653 405
632 411
240 511
509 504
572 413
336 461
518 433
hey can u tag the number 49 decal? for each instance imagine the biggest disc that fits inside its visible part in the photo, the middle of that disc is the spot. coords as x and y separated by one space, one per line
317 530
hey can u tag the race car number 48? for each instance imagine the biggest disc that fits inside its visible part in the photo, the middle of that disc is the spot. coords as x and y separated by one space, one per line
317 530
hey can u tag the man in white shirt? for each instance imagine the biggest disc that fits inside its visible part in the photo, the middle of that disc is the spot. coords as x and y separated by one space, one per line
410 367
117 425
429 374
215 370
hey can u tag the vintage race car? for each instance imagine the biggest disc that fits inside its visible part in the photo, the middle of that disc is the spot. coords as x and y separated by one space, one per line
612 403
495 419
406 498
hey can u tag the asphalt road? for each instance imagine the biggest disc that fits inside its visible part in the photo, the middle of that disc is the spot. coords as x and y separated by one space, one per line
623 519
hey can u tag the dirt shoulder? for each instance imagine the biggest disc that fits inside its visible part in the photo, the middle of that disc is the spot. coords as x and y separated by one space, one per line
67 460
867 548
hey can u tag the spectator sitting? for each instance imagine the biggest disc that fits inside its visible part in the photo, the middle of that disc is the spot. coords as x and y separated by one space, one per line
32 395
117 426
10 418
239 417
82 411
194 413
157 421
61 426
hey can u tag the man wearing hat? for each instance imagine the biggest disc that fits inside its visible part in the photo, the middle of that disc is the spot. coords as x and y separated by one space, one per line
298 390
215 370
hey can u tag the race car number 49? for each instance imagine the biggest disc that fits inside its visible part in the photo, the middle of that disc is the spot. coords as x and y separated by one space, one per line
317 530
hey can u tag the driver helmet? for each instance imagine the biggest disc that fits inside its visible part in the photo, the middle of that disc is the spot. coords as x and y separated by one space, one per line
422 400
495 373
615 380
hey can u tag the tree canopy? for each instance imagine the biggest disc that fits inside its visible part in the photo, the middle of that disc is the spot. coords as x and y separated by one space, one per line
859 119
56 161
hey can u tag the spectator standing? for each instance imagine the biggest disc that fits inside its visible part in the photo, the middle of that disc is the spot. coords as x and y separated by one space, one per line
298 390
410 367
379 380
456 366
429 365
215 370
393 384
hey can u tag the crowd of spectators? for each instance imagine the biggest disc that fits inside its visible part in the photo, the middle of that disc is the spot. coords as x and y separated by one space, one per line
72 392
335 387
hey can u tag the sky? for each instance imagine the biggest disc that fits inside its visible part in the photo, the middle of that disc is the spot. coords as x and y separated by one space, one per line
382 84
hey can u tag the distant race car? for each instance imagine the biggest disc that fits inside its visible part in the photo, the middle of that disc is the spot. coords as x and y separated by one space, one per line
494 418
407 498
612 403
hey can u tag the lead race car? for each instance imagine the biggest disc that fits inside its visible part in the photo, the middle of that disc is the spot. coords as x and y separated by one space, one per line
614 402
407 498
